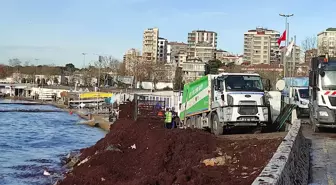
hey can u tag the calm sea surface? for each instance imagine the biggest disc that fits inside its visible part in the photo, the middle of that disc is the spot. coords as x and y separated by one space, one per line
30 142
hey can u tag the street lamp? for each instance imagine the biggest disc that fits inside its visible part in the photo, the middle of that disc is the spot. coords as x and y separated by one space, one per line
84 59
286 16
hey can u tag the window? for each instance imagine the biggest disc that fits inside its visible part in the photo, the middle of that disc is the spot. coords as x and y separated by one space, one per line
243 83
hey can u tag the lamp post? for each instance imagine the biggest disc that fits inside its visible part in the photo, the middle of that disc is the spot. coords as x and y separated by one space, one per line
286 16
84 59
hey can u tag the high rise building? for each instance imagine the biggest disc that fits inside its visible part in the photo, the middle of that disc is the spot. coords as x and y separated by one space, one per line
260 46
162 49
150 44
326 42
131 59
202 44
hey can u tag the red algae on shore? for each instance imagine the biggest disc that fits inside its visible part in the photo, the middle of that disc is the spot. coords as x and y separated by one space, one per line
143 153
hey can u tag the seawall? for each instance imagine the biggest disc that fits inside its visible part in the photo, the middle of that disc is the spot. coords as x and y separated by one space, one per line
290 163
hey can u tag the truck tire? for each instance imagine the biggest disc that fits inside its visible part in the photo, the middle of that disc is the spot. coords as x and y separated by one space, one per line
216 127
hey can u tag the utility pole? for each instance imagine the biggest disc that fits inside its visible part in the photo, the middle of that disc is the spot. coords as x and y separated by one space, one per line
286 16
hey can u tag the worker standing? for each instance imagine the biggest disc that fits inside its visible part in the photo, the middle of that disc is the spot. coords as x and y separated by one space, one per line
174 118
168 119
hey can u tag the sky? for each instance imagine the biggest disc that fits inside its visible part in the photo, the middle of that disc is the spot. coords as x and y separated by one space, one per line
59 31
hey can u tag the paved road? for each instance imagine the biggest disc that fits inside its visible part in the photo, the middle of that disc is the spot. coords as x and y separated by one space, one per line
322 156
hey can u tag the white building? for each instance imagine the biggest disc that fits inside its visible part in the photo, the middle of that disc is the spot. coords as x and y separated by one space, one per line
162 49
261 47
202 44
326 42
192 69
150 44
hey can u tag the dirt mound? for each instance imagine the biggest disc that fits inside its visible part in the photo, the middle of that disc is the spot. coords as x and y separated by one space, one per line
144 153
136 153
127 110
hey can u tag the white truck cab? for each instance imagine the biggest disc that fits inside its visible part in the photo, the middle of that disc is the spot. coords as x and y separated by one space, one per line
300 97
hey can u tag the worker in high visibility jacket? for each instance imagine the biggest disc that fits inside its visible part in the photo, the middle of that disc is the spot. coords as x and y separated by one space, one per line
168 119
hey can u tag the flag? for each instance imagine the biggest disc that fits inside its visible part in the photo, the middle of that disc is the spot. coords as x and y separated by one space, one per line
282 38
289 48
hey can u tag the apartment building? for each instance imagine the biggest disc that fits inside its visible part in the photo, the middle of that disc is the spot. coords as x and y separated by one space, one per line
326 42
192 69
131 59
291 61
261 47
202 44
162 49
309 54
175 50
150 43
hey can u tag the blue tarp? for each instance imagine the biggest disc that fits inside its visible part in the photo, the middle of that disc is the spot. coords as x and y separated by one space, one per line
295 81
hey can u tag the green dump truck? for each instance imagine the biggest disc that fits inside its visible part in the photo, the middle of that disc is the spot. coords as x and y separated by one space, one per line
225 101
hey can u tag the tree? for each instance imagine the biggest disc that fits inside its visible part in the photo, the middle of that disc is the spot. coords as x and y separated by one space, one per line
273 76
212 66
3 71
70 68
26 63
15 62
309 43
178 80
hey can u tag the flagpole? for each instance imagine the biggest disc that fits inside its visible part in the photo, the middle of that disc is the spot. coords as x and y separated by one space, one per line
287 37
294 56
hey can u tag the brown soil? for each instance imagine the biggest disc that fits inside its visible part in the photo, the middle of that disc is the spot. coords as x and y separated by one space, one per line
165 157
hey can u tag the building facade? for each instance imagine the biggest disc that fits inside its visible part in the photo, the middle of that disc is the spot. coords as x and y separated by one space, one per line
192 69
175 50
261 47
309 54
326 42
202 44
150 44
131 58
162 49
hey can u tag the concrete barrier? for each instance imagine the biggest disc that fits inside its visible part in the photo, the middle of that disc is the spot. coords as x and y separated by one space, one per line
290 163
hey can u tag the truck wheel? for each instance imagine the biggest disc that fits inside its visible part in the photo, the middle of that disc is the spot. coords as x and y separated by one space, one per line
217 128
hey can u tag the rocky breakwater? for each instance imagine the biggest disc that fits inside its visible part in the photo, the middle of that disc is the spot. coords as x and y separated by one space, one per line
142 152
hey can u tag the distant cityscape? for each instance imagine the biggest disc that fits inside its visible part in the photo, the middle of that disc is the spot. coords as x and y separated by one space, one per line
160 58
261 51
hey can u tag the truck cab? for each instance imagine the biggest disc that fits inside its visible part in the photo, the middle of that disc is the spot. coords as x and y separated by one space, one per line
226 101
322 92
300 97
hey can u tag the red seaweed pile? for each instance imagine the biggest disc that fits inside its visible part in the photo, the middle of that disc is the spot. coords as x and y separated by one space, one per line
144 153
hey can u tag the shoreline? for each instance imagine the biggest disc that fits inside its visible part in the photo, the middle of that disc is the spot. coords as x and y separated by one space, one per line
96 121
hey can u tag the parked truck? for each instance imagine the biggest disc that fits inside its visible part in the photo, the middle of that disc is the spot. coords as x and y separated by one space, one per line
225 101
322 92
296 92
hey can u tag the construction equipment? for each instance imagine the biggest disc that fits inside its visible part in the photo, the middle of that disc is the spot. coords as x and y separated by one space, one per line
322 92
226 101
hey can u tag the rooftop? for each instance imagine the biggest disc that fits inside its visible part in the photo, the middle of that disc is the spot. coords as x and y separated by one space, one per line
331 29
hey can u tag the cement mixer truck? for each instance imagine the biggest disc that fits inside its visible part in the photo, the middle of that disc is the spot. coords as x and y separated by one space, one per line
322 92
226 101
